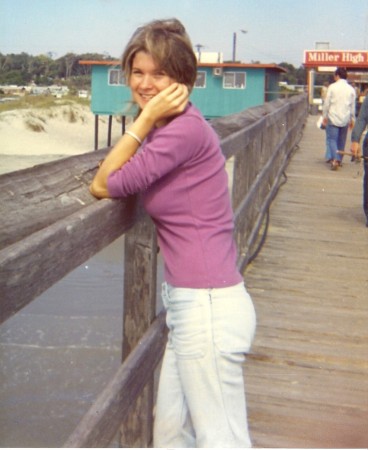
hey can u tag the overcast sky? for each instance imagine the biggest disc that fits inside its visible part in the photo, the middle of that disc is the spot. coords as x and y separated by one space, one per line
276 30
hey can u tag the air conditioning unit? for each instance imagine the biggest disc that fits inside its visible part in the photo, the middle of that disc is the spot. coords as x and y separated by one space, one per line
217 71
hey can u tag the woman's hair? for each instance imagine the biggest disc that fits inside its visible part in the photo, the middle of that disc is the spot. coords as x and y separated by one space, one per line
170 47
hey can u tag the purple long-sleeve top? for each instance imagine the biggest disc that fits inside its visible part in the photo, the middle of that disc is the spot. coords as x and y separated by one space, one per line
180 171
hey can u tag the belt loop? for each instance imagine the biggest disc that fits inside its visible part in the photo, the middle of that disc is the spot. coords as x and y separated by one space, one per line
165 294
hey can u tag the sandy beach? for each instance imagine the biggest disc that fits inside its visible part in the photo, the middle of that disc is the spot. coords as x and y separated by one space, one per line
35 136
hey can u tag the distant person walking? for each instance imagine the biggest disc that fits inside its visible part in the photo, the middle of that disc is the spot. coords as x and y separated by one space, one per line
338 113
360 126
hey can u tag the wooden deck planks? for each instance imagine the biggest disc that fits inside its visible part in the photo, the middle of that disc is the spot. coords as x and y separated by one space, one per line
307 376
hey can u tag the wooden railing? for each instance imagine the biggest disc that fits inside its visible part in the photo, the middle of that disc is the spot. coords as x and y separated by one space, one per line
47 210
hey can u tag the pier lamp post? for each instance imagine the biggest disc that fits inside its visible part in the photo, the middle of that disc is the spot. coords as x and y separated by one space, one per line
199 47
234 43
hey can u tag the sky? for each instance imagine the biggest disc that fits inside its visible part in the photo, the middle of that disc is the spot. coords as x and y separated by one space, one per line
276 30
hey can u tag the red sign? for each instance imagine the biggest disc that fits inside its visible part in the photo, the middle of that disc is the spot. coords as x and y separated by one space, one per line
343 58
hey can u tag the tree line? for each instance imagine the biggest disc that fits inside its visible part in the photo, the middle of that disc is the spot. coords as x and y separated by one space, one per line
43 70
23 69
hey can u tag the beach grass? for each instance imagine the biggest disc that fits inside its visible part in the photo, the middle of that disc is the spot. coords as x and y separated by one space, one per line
42 102
34 125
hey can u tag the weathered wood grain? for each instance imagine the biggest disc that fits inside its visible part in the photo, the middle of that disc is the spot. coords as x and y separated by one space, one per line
140 279
34 198
307 376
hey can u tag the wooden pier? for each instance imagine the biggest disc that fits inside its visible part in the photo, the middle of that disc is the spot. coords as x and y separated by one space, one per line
307 376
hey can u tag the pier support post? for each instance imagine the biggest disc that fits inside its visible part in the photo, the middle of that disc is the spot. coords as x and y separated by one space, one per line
139 312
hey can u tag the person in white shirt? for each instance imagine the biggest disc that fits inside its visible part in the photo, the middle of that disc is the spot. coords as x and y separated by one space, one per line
338 114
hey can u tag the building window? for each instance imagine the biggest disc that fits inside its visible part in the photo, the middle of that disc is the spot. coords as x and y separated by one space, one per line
201 80
116 77
234 80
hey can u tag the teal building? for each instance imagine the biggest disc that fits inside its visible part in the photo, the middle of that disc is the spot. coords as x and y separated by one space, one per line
221 88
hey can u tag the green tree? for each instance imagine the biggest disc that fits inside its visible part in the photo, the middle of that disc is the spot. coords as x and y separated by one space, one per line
290 76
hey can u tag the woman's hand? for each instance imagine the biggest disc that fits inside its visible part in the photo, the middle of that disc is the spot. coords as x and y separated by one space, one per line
168 103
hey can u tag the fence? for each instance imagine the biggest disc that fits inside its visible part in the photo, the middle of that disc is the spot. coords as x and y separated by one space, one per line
48 210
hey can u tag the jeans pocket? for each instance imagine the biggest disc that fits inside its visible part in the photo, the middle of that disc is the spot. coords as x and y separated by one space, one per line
234 324
186 320
187 332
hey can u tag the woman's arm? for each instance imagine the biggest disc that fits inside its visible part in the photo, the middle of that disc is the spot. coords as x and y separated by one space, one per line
122 151
168 103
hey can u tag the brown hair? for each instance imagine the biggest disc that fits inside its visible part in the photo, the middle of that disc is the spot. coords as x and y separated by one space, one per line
341 72
170 47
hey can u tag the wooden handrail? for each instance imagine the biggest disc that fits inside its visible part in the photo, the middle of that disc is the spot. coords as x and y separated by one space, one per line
33 264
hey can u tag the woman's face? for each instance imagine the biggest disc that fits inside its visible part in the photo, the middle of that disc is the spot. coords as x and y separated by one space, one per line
146 79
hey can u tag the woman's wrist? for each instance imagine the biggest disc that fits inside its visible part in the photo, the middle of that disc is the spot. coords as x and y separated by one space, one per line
143 124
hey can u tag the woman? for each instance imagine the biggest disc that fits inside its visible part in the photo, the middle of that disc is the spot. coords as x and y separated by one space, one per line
180 172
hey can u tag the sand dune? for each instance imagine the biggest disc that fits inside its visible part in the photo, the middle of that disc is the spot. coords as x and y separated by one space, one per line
34 136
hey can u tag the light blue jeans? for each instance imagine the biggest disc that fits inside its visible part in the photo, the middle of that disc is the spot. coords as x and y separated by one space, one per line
201 395
335 140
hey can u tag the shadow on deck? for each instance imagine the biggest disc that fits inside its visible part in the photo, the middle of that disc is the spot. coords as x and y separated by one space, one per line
307 376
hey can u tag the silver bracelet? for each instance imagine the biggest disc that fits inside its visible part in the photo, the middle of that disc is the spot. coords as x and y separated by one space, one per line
134 136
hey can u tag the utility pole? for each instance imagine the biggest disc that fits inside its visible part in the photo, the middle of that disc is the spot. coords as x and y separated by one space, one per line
198 47
234 43
234 47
